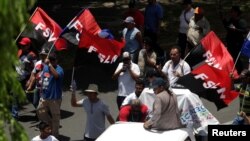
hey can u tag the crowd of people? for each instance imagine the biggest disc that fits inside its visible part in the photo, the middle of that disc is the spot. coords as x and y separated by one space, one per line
143 68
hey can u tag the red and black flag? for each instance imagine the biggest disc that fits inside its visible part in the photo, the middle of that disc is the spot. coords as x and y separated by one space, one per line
44 31
83 31
214 53
210 83
108 49
218 66
84 20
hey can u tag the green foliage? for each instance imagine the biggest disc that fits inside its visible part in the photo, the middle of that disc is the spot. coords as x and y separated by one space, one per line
13 15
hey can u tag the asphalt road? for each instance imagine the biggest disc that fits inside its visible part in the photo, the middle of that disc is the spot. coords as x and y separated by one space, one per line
73 119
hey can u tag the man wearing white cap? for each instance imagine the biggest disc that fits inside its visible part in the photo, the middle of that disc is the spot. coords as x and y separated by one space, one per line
133 38
96 111
127 73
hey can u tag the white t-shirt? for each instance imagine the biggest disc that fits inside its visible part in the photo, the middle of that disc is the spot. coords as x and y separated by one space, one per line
126 84
183 23
182 68
130 97
147 97
49 138
96 112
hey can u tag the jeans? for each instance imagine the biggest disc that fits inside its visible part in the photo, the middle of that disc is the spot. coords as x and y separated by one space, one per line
238 120
36 97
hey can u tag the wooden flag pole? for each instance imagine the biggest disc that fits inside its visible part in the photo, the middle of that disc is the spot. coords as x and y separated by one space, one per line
25 25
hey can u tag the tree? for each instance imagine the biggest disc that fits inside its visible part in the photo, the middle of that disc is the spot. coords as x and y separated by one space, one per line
13 15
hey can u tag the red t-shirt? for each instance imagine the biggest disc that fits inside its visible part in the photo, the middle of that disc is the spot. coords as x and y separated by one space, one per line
125 114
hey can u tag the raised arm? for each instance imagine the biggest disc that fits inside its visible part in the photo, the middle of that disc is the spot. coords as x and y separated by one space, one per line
74 102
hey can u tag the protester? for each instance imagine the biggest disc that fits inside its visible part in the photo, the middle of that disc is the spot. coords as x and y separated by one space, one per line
127 73
45 133
96 111
153 16
139 86
244 90
136 14
35 78
133 38
245 117
135 111
48 109
166 115
236 28
186 14
198 28
147 57
27 59
174 68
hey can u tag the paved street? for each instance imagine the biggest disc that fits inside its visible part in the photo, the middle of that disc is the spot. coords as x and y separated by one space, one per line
73 119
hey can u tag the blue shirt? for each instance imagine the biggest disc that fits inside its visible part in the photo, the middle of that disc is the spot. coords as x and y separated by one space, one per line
52 87
153 14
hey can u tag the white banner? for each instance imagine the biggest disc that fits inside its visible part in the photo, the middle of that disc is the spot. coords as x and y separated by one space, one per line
193 113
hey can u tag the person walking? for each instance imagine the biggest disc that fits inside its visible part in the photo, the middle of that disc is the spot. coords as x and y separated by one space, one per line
199 27
237 30
134 12
153 16
48 109
96 111
27 59
35 77
133 38
186 14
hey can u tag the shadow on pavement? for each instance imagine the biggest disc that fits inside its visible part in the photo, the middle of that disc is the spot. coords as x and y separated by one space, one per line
27 118
66 114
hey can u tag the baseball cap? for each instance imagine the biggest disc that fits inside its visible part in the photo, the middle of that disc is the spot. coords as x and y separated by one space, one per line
25 41
92 88
158 82
198 10
125 55
129 20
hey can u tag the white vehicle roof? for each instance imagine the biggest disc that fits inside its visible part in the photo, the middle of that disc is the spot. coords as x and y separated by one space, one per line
133 131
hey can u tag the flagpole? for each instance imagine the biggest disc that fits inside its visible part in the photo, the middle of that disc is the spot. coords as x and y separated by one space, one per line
243 102
236 61
67 26
73 73
26 25
190 52
52 46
